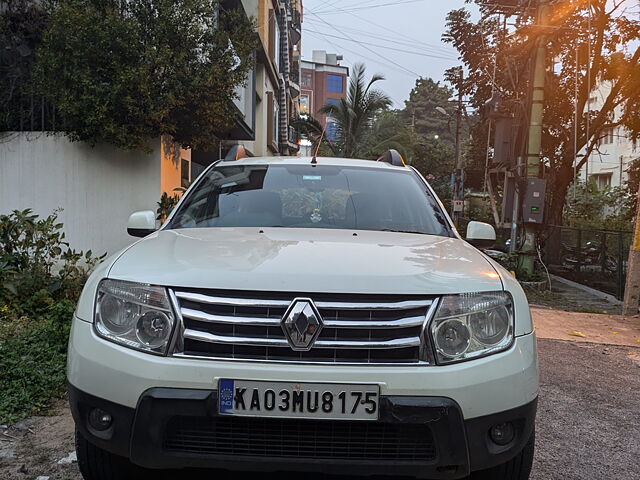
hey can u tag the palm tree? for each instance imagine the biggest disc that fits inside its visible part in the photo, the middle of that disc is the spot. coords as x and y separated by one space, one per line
355 114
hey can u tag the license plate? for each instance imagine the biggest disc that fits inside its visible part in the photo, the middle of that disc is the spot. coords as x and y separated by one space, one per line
298 400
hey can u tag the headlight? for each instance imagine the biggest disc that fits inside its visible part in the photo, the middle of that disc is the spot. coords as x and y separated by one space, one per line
472 325
134 315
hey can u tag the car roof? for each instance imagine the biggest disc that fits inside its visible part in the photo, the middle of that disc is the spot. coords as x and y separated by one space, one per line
330 161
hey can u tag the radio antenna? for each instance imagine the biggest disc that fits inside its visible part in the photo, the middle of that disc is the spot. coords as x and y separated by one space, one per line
314 160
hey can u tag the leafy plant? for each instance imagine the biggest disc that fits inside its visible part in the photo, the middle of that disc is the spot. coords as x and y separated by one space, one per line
123 72
41 278
32 358
35 257
166 205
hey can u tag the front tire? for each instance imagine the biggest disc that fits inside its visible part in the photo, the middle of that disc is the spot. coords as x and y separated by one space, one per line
518 468
98 464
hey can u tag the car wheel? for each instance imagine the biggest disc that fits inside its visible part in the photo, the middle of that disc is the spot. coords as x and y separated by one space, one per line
98 464
518 468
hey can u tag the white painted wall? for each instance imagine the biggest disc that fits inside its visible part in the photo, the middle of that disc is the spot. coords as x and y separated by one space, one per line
615 153
98 188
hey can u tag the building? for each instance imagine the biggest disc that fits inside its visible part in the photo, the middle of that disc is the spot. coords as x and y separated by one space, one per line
323 81
608 166
270 97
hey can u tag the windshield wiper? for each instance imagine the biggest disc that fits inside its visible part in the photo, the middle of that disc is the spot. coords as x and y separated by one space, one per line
402 231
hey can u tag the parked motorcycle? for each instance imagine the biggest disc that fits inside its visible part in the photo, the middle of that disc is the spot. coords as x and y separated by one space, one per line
591 254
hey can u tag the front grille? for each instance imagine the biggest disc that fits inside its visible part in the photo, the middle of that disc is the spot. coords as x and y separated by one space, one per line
357 328
311 439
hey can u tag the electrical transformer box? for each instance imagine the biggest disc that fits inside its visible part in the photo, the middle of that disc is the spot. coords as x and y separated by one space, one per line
533 204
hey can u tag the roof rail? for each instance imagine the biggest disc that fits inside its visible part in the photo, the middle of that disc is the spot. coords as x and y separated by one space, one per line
236 153
393 157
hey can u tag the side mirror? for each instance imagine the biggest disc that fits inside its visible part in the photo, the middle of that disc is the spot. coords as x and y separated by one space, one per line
481 235
141 223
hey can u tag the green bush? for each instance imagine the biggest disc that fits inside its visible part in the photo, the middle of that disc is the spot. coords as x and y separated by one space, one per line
32 359
41 278
35 258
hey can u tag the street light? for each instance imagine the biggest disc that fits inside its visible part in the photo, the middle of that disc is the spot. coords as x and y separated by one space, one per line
442 111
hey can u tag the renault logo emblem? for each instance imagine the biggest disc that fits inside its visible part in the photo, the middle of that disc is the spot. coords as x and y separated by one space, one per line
301 324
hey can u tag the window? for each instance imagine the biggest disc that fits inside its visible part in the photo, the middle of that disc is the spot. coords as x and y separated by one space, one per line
602 180
308 196
334 83
184 173
307 79
607 137
304 104
332 130
333 101
272 122
274 38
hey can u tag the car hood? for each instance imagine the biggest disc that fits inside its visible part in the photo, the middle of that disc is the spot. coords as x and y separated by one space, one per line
307 261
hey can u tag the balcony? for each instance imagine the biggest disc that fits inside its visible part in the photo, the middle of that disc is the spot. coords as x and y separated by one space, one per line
295 27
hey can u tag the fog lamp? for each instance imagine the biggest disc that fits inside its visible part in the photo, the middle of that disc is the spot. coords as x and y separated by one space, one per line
503 433
99 419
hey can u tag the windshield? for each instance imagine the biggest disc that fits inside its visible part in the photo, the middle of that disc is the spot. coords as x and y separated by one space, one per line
306 196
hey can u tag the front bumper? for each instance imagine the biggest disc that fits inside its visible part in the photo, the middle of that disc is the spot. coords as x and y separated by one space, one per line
146 435
480 387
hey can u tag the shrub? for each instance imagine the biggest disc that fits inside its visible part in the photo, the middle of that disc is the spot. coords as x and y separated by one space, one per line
32 359
36 261
41 278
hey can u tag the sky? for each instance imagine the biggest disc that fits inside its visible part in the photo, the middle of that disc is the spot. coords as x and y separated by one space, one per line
400 39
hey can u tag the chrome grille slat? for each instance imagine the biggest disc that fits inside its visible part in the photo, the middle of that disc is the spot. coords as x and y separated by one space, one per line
233 340
258 302
247 326
230 319
275 342
274 322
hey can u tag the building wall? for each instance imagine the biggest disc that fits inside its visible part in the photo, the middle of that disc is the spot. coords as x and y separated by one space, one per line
171 170
98 188
318 92
608 165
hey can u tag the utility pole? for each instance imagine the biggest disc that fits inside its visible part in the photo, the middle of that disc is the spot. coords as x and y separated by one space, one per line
534 142
458 185
632 289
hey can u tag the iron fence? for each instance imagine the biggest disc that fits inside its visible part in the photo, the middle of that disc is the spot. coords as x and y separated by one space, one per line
596 258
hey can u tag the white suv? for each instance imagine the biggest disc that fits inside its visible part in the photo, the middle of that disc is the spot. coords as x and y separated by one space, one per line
303 315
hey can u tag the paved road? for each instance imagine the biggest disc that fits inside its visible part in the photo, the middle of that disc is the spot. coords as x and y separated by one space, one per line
588 413
588 422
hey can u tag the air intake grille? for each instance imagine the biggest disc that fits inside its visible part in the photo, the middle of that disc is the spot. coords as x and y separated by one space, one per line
312 439
357 329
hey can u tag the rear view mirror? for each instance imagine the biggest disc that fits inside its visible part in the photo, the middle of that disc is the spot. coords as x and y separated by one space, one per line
141 223
481 235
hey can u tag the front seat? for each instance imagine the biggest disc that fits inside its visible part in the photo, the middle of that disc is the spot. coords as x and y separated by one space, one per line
367 211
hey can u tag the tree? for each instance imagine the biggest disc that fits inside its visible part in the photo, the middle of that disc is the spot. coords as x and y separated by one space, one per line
435 160
388 131
615 58
124 71
355 114
22 23
420 110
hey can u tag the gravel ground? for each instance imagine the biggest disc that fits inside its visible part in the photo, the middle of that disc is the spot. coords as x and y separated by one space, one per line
588 423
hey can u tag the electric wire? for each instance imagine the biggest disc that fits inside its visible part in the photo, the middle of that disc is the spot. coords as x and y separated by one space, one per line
367 7
390 38
373 51
440 50
397 33
408 52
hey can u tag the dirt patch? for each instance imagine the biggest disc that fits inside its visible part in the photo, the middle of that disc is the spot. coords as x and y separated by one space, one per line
33 447
587 327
